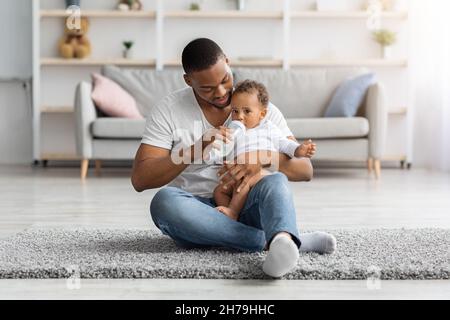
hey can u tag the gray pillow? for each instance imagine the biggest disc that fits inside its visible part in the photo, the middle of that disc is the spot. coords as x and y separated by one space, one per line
147 86
349 96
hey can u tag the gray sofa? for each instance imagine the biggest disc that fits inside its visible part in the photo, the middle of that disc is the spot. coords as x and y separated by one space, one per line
301 94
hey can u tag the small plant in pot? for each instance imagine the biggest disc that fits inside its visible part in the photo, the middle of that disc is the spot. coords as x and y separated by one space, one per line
386 39
127 51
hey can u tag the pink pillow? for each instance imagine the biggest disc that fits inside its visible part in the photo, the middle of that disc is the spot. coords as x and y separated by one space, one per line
114 101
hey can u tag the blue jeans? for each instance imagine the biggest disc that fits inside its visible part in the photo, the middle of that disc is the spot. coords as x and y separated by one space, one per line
193 222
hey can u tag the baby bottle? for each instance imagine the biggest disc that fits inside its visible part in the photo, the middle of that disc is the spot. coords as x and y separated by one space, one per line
217 155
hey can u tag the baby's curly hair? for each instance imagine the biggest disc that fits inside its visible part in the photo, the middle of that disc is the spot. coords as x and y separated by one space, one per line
251 86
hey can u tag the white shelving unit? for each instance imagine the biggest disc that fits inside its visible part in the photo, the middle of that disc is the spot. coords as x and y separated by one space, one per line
159 16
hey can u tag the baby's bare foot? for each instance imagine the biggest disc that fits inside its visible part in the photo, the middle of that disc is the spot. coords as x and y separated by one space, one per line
230 213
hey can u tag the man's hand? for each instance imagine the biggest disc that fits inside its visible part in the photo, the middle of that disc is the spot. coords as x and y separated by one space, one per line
205 144
239 172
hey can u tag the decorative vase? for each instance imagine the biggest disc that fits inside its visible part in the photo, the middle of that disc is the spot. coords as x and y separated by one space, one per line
240 5
128 53
386 52
72 3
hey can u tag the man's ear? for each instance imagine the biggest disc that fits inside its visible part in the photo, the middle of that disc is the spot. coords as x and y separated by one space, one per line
187 80
228 65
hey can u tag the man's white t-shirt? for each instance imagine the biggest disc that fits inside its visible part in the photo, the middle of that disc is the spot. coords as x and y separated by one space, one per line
177 122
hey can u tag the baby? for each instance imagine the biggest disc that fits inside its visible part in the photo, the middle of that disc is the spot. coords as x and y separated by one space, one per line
249 106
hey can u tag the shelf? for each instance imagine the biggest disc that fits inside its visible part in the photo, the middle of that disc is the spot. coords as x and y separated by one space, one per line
238 63
224 14
96 62
99 14
70 109
349 63
57 109
345 15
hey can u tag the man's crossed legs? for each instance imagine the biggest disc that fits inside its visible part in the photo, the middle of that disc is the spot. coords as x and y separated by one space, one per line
193 222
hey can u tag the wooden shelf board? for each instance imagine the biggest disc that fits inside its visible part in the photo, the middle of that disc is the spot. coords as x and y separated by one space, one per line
70 109
308 14
99 14
349 63
95 62
238 63
256 62
345 15
57 109
224 14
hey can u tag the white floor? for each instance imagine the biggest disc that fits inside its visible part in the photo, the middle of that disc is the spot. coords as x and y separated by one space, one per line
335 199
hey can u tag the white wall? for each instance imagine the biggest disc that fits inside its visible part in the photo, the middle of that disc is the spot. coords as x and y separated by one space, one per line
15 61
310 39
15 125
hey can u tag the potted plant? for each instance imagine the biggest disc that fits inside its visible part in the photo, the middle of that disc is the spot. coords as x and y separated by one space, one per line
386 39
127 52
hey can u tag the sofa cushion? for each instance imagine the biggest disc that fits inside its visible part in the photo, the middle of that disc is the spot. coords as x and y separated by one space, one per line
112 100
147 86
299 92
118 128
349 96
329 128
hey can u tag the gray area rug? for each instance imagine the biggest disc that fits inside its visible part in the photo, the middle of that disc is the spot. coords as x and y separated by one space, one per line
130 253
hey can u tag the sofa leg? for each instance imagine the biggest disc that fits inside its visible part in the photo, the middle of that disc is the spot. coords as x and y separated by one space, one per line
377 168
98 167
84 168
370 165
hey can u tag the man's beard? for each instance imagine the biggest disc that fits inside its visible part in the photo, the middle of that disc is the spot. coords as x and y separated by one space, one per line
216 105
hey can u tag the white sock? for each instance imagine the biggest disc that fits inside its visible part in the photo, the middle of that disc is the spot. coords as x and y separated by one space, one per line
320 242
282 256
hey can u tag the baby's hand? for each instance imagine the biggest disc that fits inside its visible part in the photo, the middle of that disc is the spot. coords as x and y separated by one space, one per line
306 149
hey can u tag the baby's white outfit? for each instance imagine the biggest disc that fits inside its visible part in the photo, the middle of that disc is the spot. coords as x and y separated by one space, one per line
266 136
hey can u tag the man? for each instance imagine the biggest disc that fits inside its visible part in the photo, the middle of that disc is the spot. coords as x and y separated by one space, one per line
179 130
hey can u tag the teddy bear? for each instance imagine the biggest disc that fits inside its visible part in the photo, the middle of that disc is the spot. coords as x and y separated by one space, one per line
75 43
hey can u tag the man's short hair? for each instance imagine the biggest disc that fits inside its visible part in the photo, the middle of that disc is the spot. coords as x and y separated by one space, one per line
200 54
251 86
